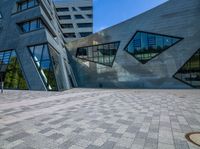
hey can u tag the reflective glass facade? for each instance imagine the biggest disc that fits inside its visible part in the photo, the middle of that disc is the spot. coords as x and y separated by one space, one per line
103 54
42 59
145 46
13 78
23 5
31 25
190 72
55 57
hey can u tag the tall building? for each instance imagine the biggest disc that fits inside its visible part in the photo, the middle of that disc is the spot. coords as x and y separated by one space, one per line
76 18
32 51
157 49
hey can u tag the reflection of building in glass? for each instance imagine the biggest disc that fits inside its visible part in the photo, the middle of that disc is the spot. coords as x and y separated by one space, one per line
190 72
14 78
145 46
102 54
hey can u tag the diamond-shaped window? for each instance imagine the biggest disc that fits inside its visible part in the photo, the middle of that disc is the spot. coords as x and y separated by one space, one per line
102 54
145 46
189 73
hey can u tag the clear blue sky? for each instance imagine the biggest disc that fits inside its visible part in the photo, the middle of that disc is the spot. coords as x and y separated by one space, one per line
111 12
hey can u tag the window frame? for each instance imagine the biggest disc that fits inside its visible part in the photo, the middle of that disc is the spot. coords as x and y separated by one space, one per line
158 34
39 24
26 2
115 43
177 72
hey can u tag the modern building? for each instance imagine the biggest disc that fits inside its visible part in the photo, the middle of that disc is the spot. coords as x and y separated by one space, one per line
157 49
76 18
32 50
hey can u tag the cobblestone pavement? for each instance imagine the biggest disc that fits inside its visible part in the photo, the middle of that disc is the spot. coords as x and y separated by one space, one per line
99 119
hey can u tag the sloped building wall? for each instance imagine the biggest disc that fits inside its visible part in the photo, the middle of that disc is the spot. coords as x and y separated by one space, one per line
174 18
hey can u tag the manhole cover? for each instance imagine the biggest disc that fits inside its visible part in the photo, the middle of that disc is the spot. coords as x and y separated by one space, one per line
193 137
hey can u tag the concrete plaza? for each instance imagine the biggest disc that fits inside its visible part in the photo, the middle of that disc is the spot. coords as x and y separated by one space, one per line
99 119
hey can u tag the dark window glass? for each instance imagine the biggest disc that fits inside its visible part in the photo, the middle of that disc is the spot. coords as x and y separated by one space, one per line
65 17
62 9
67 25
83 25
145 46
69 35
31 25
90 16
44 63
31 3
13 78
74 9
57 67
78 17
189 73
85 8
84 34
26 4
103 54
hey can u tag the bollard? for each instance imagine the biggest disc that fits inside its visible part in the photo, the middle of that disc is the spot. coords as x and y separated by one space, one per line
2 87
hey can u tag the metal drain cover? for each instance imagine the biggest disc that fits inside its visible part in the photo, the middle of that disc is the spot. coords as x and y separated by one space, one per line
193 137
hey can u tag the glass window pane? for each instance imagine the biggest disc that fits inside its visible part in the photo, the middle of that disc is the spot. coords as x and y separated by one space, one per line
25 27
24 6
13 75
38 52
30 3
45 64
103 54
145 46
45 54
33 25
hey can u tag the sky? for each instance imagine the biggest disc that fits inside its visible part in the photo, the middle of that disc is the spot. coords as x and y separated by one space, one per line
110 12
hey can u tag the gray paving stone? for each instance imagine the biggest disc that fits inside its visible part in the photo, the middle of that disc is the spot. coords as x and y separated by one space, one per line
55 136
99 119
17 136
108 145
45 130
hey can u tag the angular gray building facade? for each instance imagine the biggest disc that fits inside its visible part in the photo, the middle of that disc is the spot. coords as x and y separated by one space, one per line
32 47
156 49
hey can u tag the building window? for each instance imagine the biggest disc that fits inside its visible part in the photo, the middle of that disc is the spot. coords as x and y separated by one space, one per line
65 17
0 15
189 73
31 25
85 8
13 78
90 16
84 34
62 9
102 54
84 25
43 61
74 9
145 46
78 17
67 25
23 5
69 35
